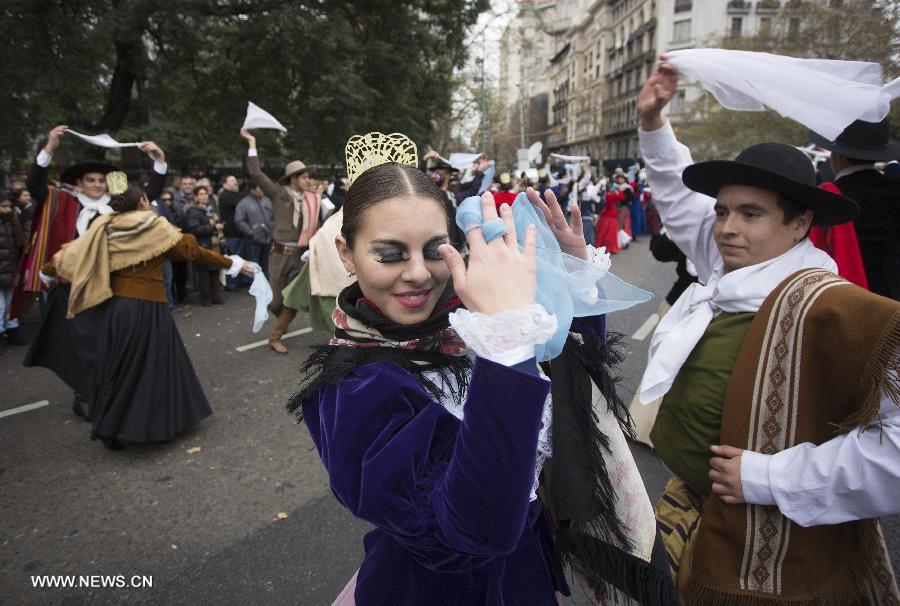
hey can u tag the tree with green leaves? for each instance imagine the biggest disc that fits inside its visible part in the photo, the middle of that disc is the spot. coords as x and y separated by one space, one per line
181 73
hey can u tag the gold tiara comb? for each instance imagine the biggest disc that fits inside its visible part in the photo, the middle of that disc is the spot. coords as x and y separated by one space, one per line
373 149
116 183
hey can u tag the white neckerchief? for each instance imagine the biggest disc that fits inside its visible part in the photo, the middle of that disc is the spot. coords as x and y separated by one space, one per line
741 290
89 209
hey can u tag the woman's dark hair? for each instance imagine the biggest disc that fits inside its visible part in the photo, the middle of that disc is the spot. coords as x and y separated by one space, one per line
199 187
380 183
128 200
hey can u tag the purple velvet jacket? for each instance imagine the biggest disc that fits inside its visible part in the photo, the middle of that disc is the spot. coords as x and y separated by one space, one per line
449 499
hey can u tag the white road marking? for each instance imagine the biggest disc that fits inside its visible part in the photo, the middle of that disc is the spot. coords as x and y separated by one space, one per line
23 408
294 333
646 328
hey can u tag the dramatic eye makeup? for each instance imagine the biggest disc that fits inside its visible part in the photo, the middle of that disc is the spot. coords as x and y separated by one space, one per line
393 251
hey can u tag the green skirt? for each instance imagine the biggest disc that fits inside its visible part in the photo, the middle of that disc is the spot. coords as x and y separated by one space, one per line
298 295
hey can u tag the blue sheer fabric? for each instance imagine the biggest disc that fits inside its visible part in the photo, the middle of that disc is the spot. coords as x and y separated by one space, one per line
566 286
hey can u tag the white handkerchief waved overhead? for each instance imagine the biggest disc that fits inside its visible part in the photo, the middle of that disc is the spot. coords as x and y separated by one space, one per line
103 140
824 95
257 117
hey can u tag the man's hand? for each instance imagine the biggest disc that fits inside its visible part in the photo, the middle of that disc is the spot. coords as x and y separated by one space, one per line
482 164
153 150
656 93
53 138
725 472
432 153
248 271
251 140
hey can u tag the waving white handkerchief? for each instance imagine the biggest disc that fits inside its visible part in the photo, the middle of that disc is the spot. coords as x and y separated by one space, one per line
741 290
257 117
103 140
262 292
824 95
461 161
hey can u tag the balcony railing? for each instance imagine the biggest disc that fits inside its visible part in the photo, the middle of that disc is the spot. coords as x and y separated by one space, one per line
682 6
738 6
768 6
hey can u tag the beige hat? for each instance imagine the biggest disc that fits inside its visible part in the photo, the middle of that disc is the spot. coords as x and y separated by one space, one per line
293 168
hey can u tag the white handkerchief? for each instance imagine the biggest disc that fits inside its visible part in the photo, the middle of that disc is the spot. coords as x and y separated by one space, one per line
103 140
565 158
462 161
824 95
257 117
262 292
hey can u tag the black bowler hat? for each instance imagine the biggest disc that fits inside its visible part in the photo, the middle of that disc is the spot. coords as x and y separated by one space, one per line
863 141
77 171
776 167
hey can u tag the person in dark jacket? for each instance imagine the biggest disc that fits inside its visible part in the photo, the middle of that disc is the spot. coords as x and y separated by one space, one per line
853 157
253 218
23 205
229 196
12 243
202 221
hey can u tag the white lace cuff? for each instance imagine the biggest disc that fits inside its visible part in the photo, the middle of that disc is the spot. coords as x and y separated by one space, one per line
237 264
506 338
251 152
599 258
585 278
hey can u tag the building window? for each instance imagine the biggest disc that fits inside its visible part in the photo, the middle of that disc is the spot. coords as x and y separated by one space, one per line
736 26
793 26
682 6
681 32
765 25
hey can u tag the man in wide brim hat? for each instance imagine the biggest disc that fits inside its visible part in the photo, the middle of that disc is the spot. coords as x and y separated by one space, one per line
76 172
293 168
853 156
773 372
296 209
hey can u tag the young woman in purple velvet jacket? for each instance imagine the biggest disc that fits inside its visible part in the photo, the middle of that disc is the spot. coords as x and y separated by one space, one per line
427 407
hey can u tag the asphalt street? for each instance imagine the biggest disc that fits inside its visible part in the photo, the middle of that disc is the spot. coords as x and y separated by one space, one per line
237 511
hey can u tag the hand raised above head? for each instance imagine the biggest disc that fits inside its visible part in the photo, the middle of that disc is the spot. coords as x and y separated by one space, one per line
657 91
251 140
500 277
53 138
153 150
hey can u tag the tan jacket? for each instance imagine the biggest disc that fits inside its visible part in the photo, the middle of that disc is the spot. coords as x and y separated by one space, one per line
283 229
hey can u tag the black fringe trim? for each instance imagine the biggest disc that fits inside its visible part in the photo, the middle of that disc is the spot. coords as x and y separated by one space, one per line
590 538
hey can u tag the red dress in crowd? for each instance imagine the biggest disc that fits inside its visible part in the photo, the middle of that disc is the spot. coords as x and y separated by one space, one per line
503 196
607 232
840 242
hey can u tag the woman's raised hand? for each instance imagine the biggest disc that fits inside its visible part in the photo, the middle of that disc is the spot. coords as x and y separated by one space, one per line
500 277
570 236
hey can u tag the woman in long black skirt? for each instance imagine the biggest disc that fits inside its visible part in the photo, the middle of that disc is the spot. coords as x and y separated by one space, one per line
142 385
